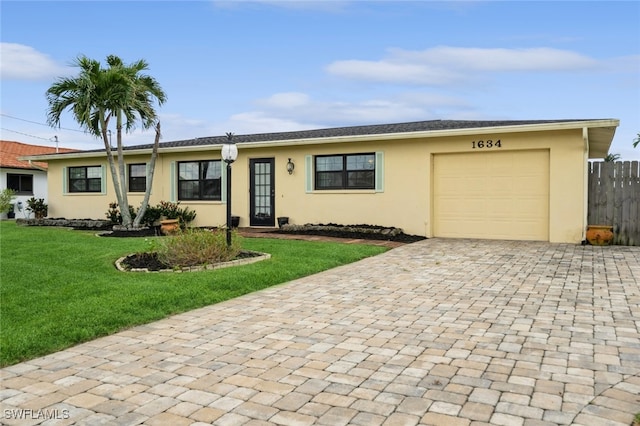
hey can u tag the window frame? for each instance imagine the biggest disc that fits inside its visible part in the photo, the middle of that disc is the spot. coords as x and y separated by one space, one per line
86 179
20 176
130 177
344 173
201 187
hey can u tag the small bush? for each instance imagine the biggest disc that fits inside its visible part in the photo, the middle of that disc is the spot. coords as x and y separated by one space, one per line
114 215
164 209
171 210
151 215
6 196
39 208
195 247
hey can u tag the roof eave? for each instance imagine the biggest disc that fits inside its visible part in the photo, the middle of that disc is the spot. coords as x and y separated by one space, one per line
600 139
33 167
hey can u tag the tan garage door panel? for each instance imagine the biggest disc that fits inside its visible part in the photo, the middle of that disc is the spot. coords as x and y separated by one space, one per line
496 195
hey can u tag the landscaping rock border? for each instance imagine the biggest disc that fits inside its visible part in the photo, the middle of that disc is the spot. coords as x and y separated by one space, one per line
258 256
87 224
371 232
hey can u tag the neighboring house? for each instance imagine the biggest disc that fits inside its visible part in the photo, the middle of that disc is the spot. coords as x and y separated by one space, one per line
521 180
27 178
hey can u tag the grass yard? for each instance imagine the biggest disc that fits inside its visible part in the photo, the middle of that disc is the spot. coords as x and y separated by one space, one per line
59 287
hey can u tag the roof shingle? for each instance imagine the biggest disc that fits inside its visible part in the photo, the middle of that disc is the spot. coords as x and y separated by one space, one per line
10 152
377 129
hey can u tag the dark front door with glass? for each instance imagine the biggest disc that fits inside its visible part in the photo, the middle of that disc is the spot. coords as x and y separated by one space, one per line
262 192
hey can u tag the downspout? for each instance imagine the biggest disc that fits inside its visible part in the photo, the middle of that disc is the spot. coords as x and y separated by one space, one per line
585 139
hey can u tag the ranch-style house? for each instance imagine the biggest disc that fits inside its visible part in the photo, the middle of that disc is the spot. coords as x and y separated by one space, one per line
519 180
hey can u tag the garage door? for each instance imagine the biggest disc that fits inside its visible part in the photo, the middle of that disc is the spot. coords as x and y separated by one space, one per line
495 195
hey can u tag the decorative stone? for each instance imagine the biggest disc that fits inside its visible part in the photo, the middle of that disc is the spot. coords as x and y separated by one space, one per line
96 224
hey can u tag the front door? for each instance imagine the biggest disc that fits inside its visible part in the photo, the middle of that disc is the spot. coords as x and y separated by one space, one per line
262 192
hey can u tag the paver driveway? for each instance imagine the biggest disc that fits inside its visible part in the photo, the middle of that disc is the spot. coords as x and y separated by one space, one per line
440 332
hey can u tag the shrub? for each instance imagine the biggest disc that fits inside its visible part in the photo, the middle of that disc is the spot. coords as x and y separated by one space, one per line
39 208
171 210
6 196
151 216
114 215
187 216
164 209
195 247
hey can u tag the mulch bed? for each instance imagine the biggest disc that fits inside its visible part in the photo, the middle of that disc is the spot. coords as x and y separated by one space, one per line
144 261
143 232
150 261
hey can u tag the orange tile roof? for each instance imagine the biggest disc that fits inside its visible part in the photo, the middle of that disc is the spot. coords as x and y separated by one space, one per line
10 152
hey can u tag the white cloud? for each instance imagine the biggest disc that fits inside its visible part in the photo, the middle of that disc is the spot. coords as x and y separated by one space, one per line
445 65
298 111
294 111
262 122
286 100
20 62
392 71
375 111
499 59
170 120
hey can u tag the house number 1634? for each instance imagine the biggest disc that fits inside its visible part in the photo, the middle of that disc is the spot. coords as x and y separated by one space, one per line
486 144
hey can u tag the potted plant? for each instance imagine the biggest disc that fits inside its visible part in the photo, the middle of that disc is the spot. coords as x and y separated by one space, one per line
169 226
38 207
172 216
283 220
599 235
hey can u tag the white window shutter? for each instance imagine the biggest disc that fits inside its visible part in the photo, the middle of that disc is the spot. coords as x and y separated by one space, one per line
173 178
379 171
308 172
65 180
223 181
103 179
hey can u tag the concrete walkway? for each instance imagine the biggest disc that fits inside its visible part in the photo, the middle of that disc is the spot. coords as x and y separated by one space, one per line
439 332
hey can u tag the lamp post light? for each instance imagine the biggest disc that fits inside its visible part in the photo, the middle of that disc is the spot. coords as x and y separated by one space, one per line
229 155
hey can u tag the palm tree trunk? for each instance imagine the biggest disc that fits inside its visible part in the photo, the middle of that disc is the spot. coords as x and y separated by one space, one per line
150 170
112 164
124 203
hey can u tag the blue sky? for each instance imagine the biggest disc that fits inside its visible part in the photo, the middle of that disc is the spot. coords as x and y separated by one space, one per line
269 66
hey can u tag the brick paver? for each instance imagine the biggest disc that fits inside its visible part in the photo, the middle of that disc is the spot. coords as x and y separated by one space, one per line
454 332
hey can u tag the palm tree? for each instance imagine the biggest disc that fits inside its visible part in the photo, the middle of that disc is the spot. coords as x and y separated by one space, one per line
610 158
95 97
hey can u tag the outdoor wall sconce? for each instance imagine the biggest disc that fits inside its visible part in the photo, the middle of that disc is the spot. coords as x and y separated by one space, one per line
290 166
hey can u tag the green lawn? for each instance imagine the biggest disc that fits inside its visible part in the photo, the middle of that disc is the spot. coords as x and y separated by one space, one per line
59 287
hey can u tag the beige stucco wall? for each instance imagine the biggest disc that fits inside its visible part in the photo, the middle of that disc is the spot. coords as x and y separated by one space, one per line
405 201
